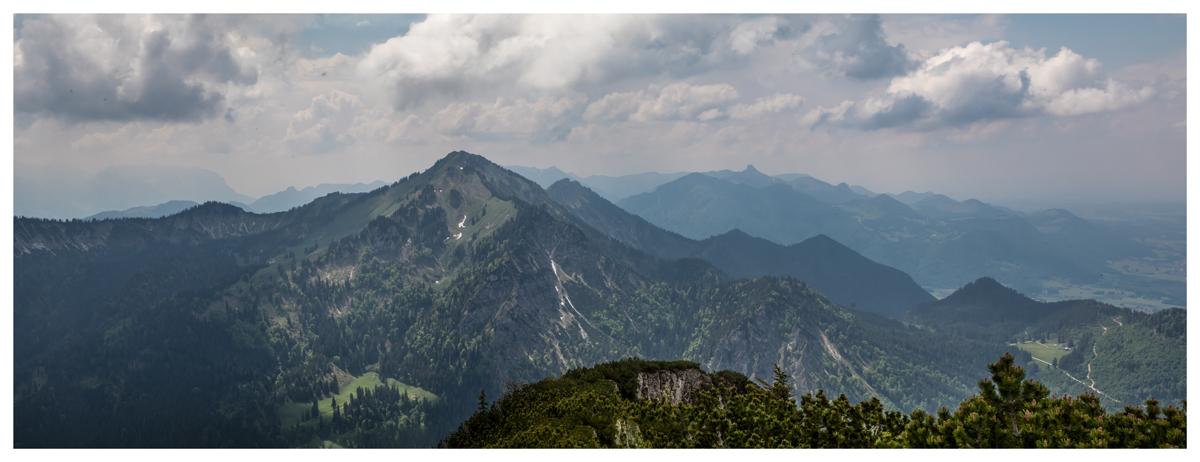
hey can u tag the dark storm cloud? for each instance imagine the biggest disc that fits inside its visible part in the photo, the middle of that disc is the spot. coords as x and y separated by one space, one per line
859 51
113 68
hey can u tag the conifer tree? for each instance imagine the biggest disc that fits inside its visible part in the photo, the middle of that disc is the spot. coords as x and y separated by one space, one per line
482 400
778 388
1009 393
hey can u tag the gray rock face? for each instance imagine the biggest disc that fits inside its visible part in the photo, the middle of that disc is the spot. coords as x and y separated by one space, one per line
676 386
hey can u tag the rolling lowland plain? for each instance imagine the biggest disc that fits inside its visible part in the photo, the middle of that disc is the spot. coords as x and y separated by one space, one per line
375 319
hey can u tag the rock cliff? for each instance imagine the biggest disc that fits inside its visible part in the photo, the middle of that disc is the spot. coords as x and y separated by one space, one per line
676 386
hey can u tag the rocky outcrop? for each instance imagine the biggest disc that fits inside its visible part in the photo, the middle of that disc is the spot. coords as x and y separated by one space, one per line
677 386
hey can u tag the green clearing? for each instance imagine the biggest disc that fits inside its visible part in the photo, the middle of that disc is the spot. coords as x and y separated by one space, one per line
1044 352
290 413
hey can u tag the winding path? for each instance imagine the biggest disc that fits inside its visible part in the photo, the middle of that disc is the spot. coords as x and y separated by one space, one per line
1095 355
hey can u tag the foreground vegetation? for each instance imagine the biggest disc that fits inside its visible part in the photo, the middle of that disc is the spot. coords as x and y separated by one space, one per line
590 407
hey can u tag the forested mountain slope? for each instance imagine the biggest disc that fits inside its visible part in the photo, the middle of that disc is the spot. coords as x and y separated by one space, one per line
374 319
1123 356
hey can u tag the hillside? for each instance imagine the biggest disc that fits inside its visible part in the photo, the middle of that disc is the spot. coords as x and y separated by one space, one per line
1123 356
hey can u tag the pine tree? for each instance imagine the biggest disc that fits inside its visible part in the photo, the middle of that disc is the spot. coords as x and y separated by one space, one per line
1009 394
482 400
778 388
315 410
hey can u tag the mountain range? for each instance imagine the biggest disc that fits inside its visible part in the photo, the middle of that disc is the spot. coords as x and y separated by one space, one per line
60 191
144 191
375 318
940 242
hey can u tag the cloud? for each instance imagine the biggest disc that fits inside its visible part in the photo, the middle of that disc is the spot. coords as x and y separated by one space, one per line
930 33
508 116
119 68
963 85
745 37
325 126
457 56
856 48
773 104
822 114
677 101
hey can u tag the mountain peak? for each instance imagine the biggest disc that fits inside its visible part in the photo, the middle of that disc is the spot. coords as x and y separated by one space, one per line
750 169
986 288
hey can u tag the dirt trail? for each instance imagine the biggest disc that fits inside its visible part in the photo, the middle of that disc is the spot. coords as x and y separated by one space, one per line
1095 354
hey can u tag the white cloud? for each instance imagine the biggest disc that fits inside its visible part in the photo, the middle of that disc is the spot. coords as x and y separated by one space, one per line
773 104
822 114
508 116
469 56
453 54
325 125
746 36
674 101
979 82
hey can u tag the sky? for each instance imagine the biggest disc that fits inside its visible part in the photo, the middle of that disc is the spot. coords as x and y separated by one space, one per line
1001 108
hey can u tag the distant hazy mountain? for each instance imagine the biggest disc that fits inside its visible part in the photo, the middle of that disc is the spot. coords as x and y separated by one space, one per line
620 187
863 191
838 272
750 177
699 206
941 207
48 191
825 192
156 211
910 198
57 192
617 188
1084 238
939 242
291 197
544 177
